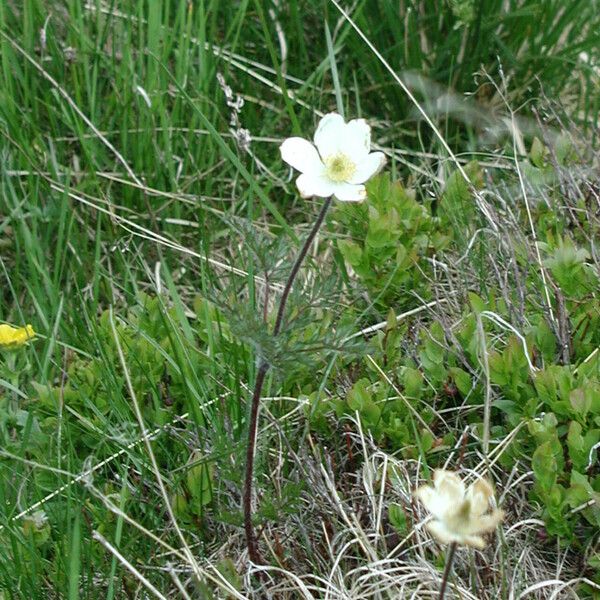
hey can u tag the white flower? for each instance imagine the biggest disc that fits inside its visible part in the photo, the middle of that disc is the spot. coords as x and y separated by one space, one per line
459 515
37 518
340 163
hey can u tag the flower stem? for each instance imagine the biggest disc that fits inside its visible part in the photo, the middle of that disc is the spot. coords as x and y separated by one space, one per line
251 540
447 569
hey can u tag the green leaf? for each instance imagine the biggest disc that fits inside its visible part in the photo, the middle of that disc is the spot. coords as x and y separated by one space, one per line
391 320
180 506
457 203
351 251
581 401
544 466
462 379
426 441
563 148
75 560
199 480
227 568
536 154
371 413
545 340
398 519
413 382
477 304
359 395
576 446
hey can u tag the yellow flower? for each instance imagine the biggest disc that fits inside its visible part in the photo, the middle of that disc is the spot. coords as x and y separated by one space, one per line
460 515
13 337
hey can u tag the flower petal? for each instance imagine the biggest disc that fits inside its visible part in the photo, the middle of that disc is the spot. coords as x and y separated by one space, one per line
310 184
432 501
446 536
428 496
348 192
474 540
368 167
12 337
330 135
357 139
442 534
480 493
450 485
486 523
301 154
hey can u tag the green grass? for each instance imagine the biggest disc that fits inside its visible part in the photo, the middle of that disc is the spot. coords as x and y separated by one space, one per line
130 219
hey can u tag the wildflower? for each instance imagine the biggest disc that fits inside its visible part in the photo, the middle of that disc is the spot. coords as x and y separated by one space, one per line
339 162
38 519
36 527
13 337
460 515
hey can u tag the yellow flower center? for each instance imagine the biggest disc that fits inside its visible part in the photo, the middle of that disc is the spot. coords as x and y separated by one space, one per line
339 167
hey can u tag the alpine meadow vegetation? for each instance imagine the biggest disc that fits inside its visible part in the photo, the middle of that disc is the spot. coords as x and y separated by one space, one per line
299 299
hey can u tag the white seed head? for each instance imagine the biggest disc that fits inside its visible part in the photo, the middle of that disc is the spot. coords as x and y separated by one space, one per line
459 515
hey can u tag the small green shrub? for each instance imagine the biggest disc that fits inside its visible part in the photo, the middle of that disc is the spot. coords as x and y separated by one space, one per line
389 237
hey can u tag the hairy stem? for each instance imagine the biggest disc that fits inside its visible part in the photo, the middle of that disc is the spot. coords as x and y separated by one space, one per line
251 540
447 569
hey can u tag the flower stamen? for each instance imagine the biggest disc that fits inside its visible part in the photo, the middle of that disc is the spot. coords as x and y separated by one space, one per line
339 167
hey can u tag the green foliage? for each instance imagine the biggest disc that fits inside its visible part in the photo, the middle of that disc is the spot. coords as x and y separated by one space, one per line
195 492
489 37
36 528
571 271
509 370
457 206
558 403
398 519
389 237
93 386
463 10
155 196
565 457
386 416
227 569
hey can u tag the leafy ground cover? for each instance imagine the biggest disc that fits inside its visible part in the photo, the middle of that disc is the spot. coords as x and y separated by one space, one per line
147 223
